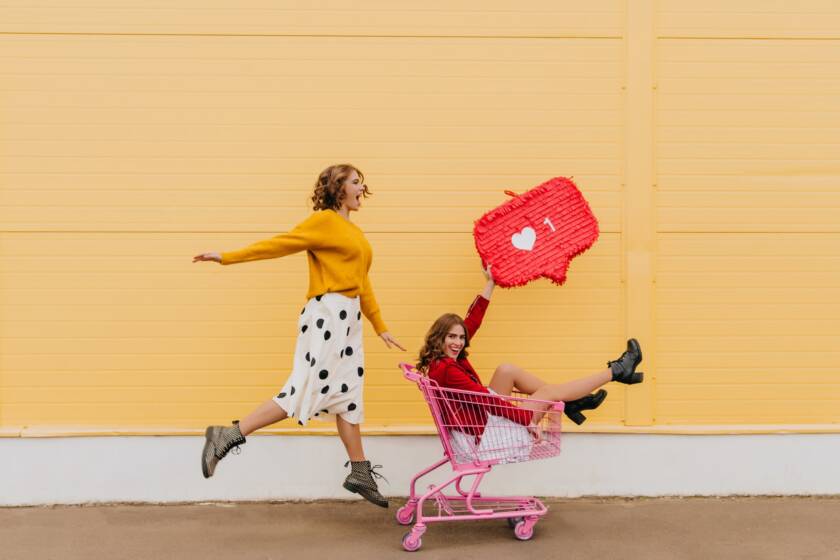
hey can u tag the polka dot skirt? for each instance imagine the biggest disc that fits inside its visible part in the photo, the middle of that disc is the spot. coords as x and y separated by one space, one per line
328 374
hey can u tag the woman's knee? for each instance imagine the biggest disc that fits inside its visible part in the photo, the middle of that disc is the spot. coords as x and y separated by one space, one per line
507 370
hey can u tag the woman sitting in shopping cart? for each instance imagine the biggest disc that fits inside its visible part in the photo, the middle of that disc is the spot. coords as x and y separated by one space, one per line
443 358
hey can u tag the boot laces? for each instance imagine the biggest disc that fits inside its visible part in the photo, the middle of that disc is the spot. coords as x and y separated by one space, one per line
372 472
620 360
376 474
231 446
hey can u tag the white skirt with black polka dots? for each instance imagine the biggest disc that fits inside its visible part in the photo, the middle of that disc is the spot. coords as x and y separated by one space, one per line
328 374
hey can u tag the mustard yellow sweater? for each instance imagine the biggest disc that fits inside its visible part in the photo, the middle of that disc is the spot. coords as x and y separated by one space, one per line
339 258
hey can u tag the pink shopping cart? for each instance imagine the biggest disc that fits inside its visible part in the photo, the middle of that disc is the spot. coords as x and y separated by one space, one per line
478 431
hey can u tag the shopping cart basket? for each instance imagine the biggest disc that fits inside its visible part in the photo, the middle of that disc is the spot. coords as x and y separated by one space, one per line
477 431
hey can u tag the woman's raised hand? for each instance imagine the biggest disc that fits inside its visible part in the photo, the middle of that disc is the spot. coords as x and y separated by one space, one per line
488 274
215 257
389 340
488 288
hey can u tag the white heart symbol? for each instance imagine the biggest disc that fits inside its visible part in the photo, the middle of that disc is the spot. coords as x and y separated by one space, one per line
525 239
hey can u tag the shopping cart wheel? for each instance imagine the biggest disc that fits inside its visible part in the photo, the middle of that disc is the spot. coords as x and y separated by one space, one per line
405 515
412 542
524 530
512 521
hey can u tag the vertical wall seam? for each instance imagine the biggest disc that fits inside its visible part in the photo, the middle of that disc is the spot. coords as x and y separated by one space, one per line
638 229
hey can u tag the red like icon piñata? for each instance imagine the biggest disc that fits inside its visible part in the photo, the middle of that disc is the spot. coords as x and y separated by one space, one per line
536 234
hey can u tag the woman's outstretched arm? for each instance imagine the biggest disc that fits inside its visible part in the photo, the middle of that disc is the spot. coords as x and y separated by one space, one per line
475 313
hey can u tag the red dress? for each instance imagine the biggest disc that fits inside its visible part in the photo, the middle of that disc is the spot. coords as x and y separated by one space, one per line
470 411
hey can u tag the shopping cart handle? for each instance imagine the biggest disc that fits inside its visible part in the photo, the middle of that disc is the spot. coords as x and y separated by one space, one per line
409 372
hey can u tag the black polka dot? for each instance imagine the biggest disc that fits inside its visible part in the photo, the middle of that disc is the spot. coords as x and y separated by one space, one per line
348 331
341 354
319 323
281 395
316 414
343 315
300 422
360 371
351 406
292 392
312 361
325 411
327 335
303 328
302 310
358 315
325 389
318 298
323 374
344 388
348 351
307 357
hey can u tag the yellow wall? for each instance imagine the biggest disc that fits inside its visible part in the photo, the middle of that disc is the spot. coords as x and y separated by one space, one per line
136 134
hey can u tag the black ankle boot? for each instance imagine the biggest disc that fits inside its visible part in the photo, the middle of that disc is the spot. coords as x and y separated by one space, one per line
589 402
624 368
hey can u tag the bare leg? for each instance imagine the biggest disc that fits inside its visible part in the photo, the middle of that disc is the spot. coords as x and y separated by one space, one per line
508 377
267 413
573 390
351 437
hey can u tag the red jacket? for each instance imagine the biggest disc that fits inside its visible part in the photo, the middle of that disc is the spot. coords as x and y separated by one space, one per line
470 411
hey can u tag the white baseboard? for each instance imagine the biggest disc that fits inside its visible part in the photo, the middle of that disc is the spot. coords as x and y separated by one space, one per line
35 471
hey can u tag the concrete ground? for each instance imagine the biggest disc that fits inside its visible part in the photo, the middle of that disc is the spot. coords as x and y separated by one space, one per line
590 529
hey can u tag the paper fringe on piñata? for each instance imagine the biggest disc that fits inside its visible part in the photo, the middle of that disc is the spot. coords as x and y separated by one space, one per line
536 234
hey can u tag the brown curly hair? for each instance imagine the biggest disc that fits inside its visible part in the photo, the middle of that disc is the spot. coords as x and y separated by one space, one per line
436 338
329 189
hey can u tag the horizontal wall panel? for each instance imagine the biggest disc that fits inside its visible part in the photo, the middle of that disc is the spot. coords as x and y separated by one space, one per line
749 18
104 318
542 18
293 149
748 212
757 152
747 328
214 134
376 117
434 219
258 135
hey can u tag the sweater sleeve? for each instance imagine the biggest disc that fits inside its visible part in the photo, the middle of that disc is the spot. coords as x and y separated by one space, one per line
306 235
370 308
475 314
456 378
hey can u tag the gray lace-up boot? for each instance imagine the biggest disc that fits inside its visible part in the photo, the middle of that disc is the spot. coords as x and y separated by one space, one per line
219 440
360 480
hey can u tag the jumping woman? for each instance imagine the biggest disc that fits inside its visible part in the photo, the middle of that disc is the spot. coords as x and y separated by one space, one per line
327 375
